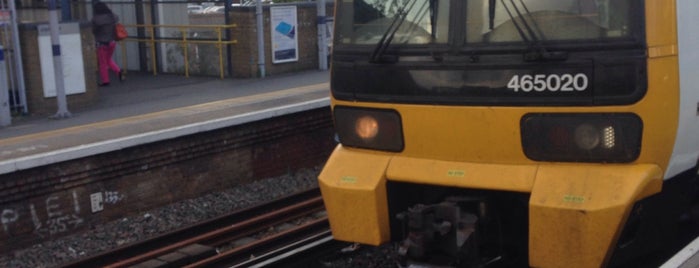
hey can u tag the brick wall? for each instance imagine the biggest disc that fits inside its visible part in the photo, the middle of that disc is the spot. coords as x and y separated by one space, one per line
244 54
36 102
53 201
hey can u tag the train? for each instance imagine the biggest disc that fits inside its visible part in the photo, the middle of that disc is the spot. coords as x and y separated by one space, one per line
514 133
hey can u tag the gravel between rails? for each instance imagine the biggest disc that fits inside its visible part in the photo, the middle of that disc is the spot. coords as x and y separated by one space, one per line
127 230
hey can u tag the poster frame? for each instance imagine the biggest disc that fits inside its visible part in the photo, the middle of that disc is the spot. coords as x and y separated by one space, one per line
284 33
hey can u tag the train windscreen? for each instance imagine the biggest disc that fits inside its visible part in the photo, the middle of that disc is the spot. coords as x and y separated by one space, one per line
483 21
558 52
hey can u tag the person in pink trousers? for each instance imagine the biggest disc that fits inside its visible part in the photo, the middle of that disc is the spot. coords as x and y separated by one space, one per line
103 22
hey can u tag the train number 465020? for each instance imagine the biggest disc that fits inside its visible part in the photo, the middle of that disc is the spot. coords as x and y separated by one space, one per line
550 82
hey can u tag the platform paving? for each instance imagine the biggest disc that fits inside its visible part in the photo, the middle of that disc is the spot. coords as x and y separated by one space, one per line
147 108
144 93
688 257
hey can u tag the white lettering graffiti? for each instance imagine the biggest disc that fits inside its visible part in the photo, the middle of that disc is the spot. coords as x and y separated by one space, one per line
35 219
112 197
51 206
8 216
58 217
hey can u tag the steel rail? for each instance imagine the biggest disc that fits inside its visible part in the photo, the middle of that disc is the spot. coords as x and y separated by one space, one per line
279 256
307 252
140 251
245 227
264 245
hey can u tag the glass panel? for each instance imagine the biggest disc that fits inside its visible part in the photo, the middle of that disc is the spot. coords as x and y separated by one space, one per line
420 21
366 22
548 20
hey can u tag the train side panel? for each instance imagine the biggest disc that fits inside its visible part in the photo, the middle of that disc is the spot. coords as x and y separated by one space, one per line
686 150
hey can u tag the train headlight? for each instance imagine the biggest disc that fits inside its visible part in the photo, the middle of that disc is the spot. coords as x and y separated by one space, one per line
586 136
366 127
611 137
378 129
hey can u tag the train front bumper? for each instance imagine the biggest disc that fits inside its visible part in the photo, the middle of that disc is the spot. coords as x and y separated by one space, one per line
576 211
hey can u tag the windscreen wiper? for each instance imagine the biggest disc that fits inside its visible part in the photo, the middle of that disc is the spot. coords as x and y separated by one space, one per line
387 37
491 13
536 25
536 50
433 17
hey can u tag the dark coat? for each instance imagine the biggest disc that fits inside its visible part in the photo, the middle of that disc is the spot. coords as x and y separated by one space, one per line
103 27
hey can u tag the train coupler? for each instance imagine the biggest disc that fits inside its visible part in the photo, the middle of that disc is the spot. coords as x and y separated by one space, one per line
440 234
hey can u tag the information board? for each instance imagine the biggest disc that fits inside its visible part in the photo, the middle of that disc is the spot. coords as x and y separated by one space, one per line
284 34
71 55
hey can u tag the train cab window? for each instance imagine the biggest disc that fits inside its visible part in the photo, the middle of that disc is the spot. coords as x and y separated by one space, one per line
408 21
501 52
549 20
420 22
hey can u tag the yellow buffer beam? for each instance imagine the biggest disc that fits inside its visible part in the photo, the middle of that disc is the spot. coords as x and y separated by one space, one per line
353 185
515 178
577 211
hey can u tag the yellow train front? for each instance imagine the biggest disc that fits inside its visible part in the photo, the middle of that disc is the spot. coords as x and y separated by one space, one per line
542 133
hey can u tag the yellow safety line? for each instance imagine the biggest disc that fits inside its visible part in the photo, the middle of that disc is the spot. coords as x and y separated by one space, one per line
210 106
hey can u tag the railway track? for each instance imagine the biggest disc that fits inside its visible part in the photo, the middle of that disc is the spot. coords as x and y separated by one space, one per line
280 231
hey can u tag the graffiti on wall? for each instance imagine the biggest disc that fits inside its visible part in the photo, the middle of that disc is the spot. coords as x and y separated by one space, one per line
56 214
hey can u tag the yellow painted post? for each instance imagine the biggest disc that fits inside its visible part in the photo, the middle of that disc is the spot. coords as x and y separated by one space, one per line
184 42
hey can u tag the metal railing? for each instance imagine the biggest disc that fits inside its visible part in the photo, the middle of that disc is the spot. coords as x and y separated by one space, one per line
184 41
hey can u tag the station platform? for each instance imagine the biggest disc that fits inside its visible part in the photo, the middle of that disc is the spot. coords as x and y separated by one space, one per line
688 257
147 108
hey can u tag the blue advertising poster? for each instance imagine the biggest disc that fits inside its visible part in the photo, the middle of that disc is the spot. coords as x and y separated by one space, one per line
284 36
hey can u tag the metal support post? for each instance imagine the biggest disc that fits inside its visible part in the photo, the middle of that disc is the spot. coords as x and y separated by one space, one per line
260 40
5 115
17 58
57 62
322 37
229 48
66 10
